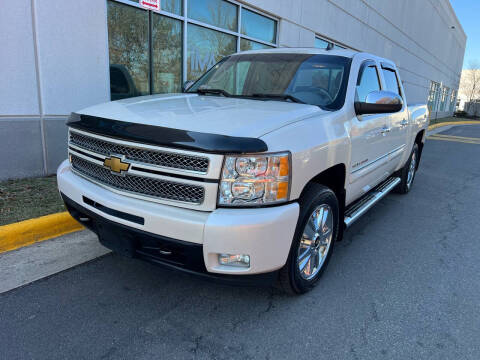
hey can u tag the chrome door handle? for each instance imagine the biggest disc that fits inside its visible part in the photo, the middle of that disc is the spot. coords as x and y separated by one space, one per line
404 123
385 130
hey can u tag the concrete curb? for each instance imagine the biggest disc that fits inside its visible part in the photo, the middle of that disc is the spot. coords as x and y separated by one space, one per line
450 123
17 235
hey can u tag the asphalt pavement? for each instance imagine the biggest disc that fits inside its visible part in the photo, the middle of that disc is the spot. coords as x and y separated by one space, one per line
404 284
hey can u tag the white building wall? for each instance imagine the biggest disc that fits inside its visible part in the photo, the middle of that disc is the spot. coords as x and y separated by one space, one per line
21 148
18 93
54 61
73 54
72 66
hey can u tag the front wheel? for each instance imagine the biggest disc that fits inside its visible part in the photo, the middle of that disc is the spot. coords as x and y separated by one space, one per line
408 172
315 235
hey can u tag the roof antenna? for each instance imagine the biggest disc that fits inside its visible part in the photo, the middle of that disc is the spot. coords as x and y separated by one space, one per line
330 46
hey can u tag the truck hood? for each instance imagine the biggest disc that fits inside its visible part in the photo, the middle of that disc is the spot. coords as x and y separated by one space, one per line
205 114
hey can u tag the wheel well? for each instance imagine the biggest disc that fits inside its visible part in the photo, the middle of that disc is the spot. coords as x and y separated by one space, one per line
334 179
419 142
419 138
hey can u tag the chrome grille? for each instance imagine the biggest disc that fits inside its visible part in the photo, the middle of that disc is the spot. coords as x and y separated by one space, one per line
165 159
161 189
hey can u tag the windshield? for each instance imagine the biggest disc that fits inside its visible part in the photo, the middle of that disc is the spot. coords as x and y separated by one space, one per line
305 78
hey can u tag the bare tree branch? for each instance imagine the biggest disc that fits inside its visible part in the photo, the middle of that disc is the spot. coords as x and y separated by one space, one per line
470 82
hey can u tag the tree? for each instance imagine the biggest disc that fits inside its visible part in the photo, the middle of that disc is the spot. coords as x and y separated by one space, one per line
470 83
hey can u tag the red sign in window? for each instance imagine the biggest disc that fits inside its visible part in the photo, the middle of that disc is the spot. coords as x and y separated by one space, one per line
150 4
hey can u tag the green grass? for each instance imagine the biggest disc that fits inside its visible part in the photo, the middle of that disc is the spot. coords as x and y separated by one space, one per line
451 118
28 198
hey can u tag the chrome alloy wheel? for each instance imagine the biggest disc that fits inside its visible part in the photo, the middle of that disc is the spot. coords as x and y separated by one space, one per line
411 169
315 242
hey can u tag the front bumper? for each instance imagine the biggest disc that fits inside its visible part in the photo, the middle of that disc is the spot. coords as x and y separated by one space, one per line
178 237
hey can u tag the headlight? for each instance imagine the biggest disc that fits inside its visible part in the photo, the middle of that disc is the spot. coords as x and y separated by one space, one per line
253 180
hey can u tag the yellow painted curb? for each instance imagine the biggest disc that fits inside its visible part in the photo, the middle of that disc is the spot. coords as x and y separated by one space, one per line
447 123
14 236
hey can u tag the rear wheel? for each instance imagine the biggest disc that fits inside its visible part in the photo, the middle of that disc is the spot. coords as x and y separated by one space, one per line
408 172
312 245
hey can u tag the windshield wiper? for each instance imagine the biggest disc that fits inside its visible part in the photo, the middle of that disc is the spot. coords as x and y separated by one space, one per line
214 91
279 97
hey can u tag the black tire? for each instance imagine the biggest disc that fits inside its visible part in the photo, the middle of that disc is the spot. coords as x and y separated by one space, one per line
290 278
405 185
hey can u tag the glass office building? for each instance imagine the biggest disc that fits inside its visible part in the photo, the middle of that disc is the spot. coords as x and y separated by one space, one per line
158 51
61 56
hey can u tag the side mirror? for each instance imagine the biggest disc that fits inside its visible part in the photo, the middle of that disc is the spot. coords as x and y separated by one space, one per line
379 102
187 85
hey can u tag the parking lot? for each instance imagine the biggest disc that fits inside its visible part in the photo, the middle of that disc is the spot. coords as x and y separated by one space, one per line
403 284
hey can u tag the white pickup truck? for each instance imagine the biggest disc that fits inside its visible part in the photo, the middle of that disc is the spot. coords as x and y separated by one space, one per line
252 173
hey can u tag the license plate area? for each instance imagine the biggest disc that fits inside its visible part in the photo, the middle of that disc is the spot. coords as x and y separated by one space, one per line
118 240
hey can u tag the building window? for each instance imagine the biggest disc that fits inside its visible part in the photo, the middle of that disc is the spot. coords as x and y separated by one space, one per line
218 13
323 44
128 51
171 6
320 43
166 54
252 45
453 99
444 98
257 26
147 50
433 96
205 48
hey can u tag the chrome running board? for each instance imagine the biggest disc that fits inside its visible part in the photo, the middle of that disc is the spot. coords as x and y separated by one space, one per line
360 207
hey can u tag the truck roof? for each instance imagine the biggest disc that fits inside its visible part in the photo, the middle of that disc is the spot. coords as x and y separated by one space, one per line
338 52
283 50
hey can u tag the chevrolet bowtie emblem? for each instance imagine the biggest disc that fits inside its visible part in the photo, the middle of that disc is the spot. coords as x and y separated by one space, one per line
116 165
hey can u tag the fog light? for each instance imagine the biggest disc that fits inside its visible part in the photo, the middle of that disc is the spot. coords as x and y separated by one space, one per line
234 260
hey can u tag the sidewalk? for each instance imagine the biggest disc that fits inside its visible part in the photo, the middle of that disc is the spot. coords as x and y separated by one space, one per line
25 265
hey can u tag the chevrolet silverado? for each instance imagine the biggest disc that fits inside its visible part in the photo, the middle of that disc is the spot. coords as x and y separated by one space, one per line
254 171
